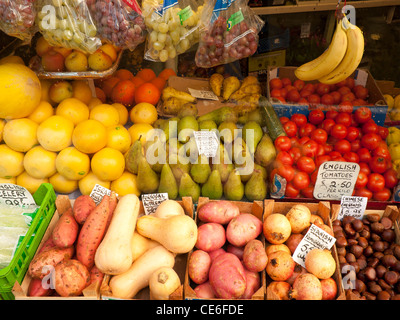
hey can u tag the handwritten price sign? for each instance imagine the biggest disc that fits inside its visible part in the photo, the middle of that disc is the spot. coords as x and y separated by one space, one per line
152 201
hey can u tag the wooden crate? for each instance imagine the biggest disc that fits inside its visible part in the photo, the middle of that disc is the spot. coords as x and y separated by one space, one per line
20 291
390 211
255 208
322 209
179 267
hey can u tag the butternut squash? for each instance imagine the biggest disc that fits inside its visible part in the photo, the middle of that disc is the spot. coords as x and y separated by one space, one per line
114 254
126 285
141 244
162 283
177 233
168 208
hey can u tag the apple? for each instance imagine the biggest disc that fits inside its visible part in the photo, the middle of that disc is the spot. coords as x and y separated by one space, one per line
42 46
60 91
64 51
53 61
110 51
76 61
99 61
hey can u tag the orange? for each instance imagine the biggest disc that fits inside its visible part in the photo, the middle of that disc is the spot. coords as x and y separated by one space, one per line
72 163
123 113
147 92
40 163
89 136
146 74
81 90
20 134
43 111
166 73
30 183
139 130
55 133
108 84
73 109
159 83
100 94
118 138
124 93
144 113
12 162
125 184
63 185
94 102
87 183
106 114
137 81
124 74
108 164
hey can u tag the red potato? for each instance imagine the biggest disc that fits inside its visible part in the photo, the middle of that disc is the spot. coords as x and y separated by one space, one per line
215 253
237 251
220 211
36 289
210 236
227 276
254 257
71 277
205 291
66 230
39 266
198 266
92 233
253 283
82 207
243 228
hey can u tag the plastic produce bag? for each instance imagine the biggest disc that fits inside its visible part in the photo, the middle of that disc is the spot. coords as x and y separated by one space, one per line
68 24
173 27
17 18
229 32
119 22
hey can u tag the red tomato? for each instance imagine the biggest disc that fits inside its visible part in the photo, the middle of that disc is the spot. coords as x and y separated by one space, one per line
276 93
343 90
309 148
341 83
355 145
376 182
286 172
346 106
350 97
282 143
284 93
361 181
304 93
369 127
290 128
289 87
364 155
273 173
320 150
301 180
391 179
383 195
370 141
344 118
294 141
321 159
303 101
327 125
286 82
308 192
305 131
284 158
281 99
299 119
314 99
335 155
331 114
364 192
291 191
313 177
378 164
382 151
295 153
323 89
364 167
275 83
342 146
316 116
293 95
310 87
362 114
383 132
327 99
306 164
283 120
350 82
339 131
351 157
319 135
337 97
361 92
353 133
298 84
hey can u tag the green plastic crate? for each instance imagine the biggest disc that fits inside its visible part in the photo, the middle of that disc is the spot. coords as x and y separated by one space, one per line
44 197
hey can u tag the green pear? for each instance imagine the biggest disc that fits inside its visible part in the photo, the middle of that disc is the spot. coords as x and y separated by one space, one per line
186 126
168 183
256 187
147 178
257 167
156 154
252 134
213 188
228 131
233 187
200 170
207 125
179 166
170 128
265 151
133 157
222 162
189 188
219 115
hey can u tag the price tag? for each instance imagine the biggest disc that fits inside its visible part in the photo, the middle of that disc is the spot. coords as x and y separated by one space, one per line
314 238
98 192
207 142
336 179
12 194
203 94
305 30
352 206
151 201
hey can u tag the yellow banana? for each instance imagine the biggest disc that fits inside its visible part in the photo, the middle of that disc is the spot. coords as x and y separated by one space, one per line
328 61
352 58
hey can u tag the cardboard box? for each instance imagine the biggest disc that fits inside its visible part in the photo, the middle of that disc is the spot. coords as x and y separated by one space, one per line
322 209
259 64
363 77
390 211
255 208
179 267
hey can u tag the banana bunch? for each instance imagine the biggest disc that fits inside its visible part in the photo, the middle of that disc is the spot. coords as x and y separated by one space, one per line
340 60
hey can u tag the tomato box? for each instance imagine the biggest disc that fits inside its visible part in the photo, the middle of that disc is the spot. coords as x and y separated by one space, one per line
179 267
321 209
349 277
256 209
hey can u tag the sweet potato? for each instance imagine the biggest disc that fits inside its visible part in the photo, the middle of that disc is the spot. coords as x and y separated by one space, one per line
82 207
96 275
36 289
198 266
66 230
221 211
210 236
227 276
204 291
48 244
243 228
254 256
253 283
71 277
48 258
92 232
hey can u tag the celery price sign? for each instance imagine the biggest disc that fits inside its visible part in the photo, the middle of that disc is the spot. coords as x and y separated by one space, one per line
14 195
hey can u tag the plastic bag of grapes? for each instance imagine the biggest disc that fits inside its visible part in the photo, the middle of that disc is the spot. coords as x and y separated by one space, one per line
173 27
17 18
68 24
119 22
229 32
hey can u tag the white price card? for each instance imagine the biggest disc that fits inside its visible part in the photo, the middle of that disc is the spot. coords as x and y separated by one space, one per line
98 192
314 238
151 201
203 94
207 142
352 206
12 194
336 179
